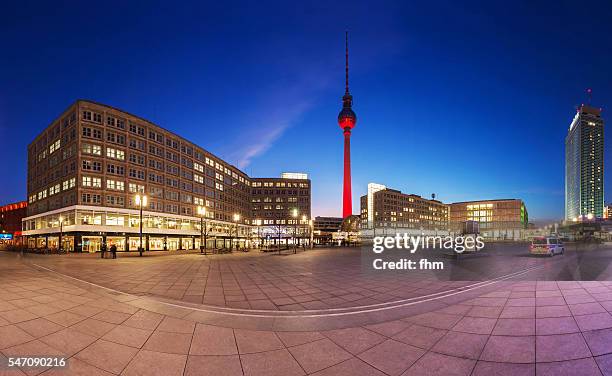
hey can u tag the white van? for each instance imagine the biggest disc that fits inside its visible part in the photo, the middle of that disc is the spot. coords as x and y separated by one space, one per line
546 245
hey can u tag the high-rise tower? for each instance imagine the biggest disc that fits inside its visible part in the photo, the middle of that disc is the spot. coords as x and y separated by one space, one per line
347 120
584 166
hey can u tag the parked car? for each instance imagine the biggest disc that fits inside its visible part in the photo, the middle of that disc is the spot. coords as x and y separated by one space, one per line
547 245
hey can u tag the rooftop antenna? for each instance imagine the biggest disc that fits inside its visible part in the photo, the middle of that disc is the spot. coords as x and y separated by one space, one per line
589 93
346 90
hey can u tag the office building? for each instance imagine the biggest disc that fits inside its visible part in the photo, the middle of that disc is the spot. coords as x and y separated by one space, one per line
87 167
584 166
386 207
498 219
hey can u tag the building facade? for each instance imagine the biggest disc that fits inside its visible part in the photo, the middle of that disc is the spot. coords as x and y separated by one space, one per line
498 219
11 216
584 170
385 207
86 168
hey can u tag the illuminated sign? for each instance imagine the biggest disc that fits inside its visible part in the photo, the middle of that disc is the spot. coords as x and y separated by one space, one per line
6 236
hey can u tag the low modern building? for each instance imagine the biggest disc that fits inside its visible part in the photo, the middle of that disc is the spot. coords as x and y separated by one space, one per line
325 227
11 216
498 219
93 167
385 207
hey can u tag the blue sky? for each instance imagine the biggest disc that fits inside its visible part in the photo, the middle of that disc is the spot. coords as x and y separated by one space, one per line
468 101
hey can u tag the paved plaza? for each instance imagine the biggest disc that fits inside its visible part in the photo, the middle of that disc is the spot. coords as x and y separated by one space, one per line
315 312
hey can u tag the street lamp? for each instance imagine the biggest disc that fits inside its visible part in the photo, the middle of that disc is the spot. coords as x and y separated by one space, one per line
258 224
304 232
61 223
141 201
294 213
311 228
203 234
236 219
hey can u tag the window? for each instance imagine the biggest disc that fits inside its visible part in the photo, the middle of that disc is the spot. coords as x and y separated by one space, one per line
198 167
198 178
198 201
114 169
91 198
115 153
135 188
54 146
54 189
92 165
68 184
91 149
89 181
115 185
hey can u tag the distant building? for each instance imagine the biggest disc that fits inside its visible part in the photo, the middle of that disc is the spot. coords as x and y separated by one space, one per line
325 227
608 211
10 221
386 207
584 169
498 219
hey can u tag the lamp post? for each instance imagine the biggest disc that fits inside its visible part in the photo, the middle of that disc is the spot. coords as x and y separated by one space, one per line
294 214
141 201
61 223
304 222
236 219
203 234
311 228
259 239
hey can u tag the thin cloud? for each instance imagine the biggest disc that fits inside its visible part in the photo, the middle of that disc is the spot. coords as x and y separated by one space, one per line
270 127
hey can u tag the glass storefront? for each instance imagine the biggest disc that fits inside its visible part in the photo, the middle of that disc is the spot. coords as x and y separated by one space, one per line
119 242
92 243
173 244
155 244
187 243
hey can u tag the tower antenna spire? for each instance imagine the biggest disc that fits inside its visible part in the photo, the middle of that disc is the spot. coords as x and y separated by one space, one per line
589 93
346 91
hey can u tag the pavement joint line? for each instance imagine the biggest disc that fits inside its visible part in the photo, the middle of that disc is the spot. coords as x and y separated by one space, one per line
451 292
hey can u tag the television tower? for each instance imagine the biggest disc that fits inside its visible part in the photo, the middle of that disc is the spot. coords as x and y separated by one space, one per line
347 120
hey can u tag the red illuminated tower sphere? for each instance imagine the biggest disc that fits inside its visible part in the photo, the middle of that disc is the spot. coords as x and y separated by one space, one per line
347 120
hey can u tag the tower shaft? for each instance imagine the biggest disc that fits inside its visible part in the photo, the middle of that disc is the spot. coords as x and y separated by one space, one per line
347 196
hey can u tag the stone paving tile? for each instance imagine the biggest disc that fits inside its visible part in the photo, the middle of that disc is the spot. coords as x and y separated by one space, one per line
552 311
420 336
174 325
354 340
109 356
173 343
389 328
599 341
518 312
514 327
226 365
554 348
252 341
556 325
74 366
509 349
392 357
475 325
594 321
315 356
503 369
351 367
605 364
12 335
579 367
298 338
156 364
213 340
93 327
69 341
128 336
463 345
439 364
270 363
40 327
